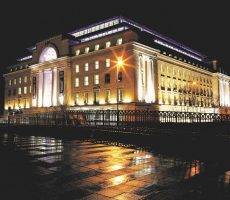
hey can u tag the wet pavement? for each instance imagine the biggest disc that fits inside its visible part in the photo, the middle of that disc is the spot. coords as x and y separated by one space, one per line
49 169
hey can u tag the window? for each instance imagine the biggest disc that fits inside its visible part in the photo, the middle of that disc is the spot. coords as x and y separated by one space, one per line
96 97
19 80
86 67
77 52
96 79
76 82
107 96
77 96
107 78
19 90
97 46
96 64
25 79
119 76
9 93
86 80
120 95
86 98
77 68
119 41
107 62
86 49
14 92
107 44
30 88
10 82
25 90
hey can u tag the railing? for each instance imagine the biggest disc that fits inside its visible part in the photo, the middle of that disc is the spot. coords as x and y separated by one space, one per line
114 117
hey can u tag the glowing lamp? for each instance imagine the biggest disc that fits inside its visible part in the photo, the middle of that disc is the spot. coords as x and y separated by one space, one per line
120 62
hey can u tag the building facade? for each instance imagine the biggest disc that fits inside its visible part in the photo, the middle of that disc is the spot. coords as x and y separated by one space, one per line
115 64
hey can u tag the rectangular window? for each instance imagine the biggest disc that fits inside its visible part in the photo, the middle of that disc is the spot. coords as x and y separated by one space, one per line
86 98
25 79
107 78
107 96
19 80
86 49
77 68
19 90
96 97
107 44
86 80
9 93
107 62
77 52
76 82
30 88
14 92
15 81
25 90
86 67
96 79
120 95
10 82
96 64
119 41
77 97
97 46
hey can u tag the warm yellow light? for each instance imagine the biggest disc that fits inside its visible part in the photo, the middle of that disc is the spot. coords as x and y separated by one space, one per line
194 82
120 62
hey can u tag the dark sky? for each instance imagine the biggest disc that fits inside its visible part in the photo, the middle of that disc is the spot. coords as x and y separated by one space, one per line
201 25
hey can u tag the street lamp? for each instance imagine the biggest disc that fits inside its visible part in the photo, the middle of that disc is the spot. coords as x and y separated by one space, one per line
119 64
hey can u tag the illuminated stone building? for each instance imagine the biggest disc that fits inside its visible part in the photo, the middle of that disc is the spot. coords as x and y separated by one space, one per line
115 64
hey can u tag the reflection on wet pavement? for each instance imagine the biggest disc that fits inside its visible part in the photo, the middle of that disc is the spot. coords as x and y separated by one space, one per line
88 170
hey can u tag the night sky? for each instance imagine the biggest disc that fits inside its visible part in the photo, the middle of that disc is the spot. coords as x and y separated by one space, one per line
202 26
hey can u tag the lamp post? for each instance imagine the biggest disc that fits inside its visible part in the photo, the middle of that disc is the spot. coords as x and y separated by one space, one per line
119 64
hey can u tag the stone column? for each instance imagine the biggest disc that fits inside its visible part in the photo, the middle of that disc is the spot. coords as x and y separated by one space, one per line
55 91
40 88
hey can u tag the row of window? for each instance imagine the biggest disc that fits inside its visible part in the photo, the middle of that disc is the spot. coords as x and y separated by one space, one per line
96 79
97 47
19 80
96 66
96 97
21 90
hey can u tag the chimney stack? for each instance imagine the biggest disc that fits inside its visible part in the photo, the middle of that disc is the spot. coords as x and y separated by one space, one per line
214 65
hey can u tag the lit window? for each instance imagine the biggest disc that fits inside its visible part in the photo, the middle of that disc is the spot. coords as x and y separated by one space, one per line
86 49
97 46
86 98
86 80
96 97
25 90
77 97
10 82
107 96
86 67
25 79
107 62
96 64
96 79
77 52
76 82
108 44
19 90
77 68
120 95
30 88
19 80
119 41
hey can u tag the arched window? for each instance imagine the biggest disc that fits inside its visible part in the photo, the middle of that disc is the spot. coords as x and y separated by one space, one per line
49 53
